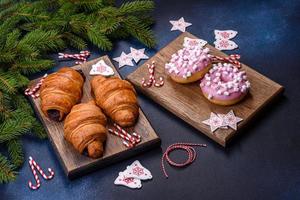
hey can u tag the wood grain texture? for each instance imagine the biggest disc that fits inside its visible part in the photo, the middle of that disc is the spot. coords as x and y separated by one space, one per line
75 164
187 101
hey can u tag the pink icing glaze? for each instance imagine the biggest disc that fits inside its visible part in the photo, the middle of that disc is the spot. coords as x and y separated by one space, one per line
188 60
225 82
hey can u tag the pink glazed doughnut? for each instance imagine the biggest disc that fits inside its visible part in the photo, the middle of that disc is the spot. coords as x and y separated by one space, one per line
189 64
224 84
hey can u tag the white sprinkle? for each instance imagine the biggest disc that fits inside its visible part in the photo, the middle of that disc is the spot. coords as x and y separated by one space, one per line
208 83
216 80
247 84
207 78
236 89
209 96
219 92
188 74
226 93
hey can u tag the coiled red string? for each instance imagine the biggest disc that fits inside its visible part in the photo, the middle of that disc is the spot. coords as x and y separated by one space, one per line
188 147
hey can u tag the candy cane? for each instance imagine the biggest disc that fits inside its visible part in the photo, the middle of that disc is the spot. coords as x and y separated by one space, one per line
135 137
121 136
37 180
128 145
41 171
82 56
231 59
188 147
33 166
32 92
152 80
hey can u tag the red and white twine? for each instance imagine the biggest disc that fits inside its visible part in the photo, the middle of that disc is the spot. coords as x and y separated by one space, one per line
152 81
188 147
233 59
129 140
33 91
33 166
80 57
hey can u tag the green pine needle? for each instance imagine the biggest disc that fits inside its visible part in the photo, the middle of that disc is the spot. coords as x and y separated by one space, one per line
14 128
7 172
15 152
136 7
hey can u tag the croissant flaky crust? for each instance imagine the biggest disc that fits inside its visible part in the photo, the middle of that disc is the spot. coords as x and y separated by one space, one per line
60 91
117 98
85 129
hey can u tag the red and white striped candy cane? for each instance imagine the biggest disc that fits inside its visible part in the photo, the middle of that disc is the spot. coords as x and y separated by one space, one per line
33 92
151 79
231 59
125 137
134 136
37 180
81 57
188 147
127 144
41 171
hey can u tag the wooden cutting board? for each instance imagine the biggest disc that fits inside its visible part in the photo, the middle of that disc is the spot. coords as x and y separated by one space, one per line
188 103
75 164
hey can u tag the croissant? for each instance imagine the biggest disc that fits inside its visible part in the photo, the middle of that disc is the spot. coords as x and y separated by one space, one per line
60 91
85 129
117 98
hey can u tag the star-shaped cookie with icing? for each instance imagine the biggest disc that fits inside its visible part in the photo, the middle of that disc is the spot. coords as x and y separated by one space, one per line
180 25
137 54
123 60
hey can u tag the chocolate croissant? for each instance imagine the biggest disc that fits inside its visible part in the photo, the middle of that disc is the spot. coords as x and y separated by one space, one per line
117 98
85 129
60 91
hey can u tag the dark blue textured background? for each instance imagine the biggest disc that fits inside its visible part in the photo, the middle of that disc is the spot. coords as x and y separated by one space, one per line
262 163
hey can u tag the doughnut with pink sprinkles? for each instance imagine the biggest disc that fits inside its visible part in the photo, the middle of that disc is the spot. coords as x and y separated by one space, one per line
225 83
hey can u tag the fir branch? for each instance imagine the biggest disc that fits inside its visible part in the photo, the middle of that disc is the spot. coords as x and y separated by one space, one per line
75 41
15 152
7 172
5 106
99 39
20 102
14 128
136 7
89 5
12 39
32 66
8 83
135 27
38 130
43 40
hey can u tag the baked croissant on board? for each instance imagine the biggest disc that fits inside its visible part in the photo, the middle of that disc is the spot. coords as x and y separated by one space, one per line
60 91
85 128
117 98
